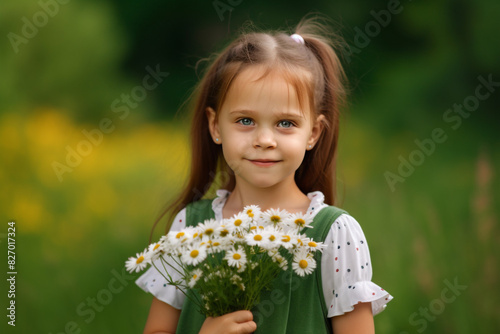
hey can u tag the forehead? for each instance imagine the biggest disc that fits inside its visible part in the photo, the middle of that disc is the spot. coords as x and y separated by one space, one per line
273 91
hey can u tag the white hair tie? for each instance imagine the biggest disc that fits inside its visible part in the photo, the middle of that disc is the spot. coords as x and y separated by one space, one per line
297 38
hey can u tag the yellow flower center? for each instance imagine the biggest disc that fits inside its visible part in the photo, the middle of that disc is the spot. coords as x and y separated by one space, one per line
300 222
237 222
303 264
139 259
236 256
224 232
179 235
253 227
312 244
194 253
261 227
195 276
300 242
250 213
275 219
286 238
156 246
257 237
209 231
216 244
195 235
272 238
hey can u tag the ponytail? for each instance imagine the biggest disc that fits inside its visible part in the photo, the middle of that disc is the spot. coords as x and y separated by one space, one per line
318 171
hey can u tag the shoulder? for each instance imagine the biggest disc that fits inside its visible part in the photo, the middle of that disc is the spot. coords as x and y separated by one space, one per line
345 220
346 229
336 223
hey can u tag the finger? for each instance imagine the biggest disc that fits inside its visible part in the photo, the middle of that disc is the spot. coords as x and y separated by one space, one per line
242 316
247 327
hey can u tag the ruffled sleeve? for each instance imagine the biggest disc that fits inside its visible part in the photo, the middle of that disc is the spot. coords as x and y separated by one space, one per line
347 270
153 282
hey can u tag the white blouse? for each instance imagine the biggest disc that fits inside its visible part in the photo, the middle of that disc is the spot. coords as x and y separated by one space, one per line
346 270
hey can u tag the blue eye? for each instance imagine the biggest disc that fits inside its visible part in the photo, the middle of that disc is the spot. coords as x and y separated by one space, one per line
245 121
286 124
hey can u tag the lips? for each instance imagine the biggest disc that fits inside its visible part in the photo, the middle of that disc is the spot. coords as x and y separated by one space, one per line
263 162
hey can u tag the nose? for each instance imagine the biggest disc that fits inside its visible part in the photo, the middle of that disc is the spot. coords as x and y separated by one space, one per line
264 138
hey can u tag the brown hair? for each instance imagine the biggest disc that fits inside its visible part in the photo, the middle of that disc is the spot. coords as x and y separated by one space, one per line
323 85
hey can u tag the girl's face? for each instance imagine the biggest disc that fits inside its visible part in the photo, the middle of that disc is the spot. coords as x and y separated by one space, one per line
263 131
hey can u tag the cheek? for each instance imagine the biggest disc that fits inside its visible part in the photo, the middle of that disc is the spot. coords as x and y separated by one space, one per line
294 148
295 143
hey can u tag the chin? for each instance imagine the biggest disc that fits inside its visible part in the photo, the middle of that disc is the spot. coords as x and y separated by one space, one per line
263 183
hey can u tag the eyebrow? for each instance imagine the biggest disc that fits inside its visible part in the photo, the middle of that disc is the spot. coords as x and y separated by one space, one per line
280 114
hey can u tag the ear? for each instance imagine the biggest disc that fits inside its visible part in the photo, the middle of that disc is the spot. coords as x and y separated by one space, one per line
213 125
316 131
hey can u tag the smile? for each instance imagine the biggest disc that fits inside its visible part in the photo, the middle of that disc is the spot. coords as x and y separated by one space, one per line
264 162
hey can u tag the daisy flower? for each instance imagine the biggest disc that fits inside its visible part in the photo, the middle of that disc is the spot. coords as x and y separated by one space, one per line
299 221
286 241
194 254
303 263
276 217
209 227
272 238
313 246
166 245
154 252
252 211
224 231
154 247
299 241
239 221
179 237
236 257
257 227
215 245
195 276
255 238
136 263
241 268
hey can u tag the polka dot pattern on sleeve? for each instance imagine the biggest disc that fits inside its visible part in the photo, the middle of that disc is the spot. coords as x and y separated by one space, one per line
347 271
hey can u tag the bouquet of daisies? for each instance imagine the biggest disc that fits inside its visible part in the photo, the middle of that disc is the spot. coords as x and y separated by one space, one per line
230 262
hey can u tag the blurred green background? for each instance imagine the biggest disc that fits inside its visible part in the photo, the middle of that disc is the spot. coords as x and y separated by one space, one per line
72 73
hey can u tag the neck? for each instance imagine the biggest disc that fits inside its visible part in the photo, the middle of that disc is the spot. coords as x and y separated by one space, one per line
283 196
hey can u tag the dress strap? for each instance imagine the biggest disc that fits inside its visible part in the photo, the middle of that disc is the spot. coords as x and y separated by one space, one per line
323 221
198 211
322 224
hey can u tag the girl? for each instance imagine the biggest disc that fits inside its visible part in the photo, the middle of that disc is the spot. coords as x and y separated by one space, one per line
267 119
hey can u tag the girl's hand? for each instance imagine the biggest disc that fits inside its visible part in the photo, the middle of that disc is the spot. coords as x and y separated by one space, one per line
239 322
